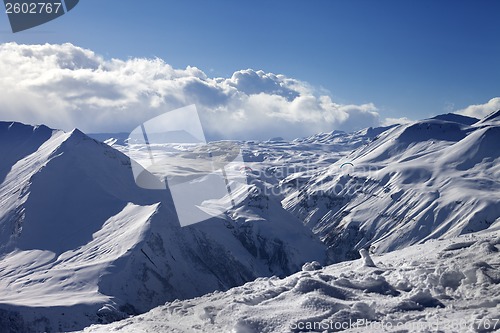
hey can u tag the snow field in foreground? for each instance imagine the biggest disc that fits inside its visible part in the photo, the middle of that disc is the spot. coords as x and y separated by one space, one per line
449 286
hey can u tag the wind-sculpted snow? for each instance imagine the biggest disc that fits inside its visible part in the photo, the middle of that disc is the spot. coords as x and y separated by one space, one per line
440 286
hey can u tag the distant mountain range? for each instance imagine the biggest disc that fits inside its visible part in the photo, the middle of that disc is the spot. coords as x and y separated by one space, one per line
429 179
81 243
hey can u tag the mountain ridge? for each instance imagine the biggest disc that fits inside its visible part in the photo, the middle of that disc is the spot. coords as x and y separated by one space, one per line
78 233
414 182
78 236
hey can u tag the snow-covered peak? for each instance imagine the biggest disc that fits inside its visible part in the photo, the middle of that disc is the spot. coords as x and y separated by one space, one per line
432 129
79 234
76 230
492 119
414 182
457 118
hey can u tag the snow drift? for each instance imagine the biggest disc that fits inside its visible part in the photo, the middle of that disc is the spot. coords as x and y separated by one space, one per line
446 286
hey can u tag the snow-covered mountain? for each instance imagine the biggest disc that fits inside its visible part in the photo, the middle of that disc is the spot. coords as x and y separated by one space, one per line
440 286
424 180
80 243
387 187
492 118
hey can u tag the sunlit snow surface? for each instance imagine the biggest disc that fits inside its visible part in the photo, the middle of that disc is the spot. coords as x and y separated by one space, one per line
405 185
446 286
383 188
82 243
70 278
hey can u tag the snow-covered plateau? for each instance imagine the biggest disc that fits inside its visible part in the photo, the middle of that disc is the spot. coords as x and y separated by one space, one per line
386 229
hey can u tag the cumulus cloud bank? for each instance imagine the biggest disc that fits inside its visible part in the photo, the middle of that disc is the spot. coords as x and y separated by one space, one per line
65 86
481 110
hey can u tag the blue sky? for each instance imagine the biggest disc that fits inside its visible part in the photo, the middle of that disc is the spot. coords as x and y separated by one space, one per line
410 58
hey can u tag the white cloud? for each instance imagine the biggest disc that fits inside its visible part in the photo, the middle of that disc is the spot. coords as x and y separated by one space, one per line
481 110
65 86
393 121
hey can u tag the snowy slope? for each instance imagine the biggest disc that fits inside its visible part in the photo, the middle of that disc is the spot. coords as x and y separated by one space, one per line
80 243
386 187
424 180
440 286
492 118
457 118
